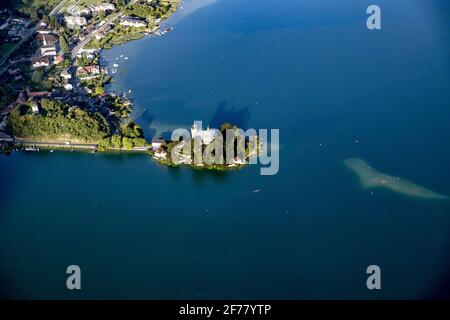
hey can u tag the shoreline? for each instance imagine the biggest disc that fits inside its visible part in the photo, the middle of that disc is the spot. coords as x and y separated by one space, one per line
116 140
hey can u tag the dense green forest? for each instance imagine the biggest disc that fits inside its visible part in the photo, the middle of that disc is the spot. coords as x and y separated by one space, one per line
57 120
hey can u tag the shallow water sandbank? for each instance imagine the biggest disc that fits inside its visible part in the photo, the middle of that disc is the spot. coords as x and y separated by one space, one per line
371 178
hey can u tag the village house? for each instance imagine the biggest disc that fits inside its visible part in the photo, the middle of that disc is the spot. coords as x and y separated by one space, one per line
75 21
58 59
16 31
14 72
18 59
47 39
48 51
160 154
34 107
133 22
156 144
39 62
79 11
88 71
66 75
43 30
103 7
68 87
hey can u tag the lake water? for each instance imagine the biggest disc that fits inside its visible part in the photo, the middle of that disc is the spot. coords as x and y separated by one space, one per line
335 89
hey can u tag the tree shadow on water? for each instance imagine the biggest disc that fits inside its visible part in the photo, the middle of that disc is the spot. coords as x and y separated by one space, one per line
236 116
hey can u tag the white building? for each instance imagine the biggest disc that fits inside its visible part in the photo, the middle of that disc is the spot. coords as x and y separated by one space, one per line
104 7
66 75
156 144
75 21
40 62
68 87
207 135
133 22
34 108
160 154
48 51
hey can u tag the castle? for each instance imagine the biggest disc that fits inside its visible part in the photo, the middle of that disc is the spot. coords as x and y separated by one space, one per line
207 135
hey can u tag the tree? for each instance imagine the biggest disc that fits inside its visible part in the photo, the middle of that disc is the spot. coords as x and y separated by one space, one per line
99 91
116 141
127 143
37 76
63 43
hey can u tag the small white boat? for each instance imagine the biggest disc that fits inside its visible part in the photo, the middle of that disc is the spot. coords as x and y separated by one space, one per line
115 65
126 58
256 190
51 151
121 55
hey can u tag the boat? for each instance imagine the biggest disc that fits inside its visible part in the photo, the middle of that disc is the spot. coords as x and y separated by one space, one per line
33 149
51 151
115 65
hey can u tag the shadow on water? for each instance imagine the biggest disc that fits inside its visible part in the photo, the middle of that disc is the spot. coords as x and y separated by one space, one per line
236 116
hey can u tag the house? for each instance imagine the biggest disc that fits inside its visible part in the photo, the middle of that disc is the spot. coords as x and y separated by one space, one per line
68 87
34 107
21 21
103 7
58 59
43 30
15 31
39 62
14 72
37 94
157 143
75 21
47 39
48 51
77 11
88 70
133 22
160 154
66 75
18 59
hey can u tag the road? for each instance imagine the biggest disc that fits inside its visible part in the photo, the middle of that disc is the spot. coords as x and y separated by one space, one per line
20 142
80 46
90 146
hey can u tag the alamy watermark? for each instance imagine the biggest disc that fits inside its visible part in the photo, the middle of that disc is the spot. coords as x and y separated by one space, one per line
226 147
374 20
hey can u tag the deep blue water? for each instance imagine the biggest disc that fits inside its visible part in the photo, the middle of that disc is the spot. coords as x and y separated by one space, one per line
310 68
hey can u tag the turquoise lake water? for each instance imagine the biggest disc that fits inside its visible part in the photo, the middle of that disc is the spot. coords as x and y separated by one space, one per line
335 89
